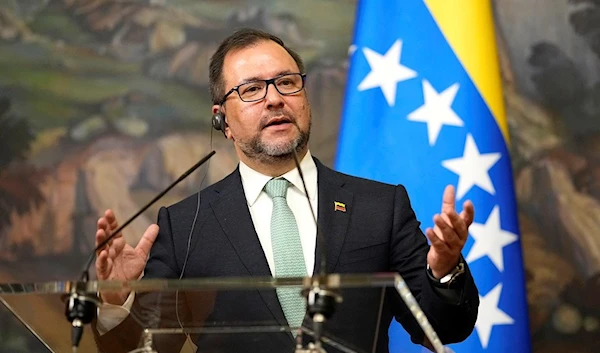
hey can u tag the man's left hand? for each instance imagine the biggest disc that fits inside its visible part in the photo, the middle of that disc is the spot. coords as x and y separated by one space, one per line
449 235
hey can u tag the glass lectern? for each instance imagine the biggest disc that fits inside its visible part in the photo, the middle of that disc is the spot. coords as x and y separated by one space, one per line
203 315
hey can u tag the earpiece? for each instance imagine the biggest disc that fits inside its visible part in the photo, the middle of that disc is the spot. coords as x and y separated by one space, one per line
218 122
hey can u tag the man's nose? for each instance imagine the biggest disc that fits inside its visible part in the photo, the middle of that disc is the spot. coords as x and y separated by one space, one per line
273 98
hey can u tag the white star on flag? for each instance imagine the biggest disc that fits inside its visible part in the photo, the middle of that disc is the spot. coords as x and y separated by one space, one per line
472 168
490 315
490 239
437 110
386 71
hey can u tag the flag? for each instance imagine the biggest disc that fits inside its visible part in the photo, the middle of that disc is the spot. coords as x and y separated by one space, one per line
423 108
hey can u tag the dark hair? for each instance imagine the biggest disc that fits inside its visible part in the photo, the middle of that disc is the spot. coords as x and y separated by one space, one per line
240 39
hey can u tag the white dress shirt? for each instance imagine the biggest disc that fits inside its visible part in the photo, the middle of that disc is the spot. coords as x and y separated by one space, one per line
260 206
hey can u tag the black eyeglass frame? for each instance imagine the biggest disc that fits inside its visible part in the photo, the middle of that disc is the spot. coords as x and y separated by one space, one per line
267 82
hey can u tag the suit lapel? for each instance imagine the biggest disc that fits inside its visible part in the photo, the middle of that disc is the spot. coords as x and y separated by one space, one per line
231 211
332 222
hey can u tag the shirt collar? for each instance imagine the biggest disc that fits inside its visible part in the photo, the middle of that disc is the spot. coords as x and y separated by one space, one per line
254 182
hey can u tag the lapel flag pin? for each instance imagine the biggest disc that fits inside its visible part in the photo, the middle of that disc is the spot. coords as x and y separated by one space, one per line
338 206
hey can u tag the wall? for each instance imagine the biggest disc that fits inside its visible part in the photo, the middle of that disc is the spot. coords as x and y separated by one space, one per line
103 103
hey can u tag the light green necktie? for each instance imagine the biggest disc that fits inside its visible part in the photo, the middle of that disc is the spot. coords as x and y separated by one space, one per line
287 251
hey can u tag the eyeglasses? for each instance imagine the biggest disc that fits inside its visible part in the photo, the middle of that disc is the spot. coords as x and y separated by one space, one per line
256 90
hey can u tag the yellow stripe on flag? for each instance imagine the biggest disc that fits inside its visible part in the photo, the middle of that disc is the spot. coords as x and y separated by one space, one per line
468 26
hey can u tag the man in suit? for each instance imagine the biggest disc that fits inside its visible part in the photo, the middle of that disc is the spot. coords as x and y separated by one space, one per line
257 222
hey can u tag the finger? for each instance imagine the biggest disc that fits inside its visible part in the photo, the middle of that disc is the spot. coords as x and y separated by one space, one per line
447 219
446 233
468 213
147 240
441 226
101 259
102 264
457 224
102 223
100 236
436 230
111 219
436 242
108 223
448 200
111 253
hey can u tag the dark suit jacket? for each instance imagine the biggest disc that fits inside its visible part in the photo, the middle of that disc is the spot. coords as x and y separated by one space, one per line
377 233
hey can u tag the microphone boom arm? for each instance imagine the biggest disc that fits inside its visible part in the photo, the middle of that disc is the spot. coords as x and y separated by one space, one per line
80 307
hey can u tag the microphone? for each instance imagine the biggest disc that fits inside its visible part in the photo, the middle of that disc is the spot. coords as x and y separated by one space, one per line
81 308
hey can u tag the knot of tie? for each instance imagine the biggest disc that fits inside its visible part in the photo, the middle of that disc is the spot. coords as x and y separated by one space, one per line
277 188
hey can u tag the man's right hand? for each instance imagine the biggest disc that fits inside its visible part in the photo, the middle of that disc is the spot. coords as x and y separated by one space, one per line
118 260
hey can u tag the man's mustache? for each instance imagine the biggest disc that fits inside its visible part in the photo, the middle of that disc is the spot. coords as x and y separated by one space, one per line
277 117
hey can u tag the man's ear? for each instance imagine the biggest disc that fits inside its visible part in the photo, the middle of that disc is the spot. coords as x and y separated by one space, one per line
228 133
219 108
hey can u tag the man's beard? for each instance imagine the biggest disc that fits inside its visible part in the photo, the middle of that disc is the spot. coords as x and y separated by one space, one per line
263 151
